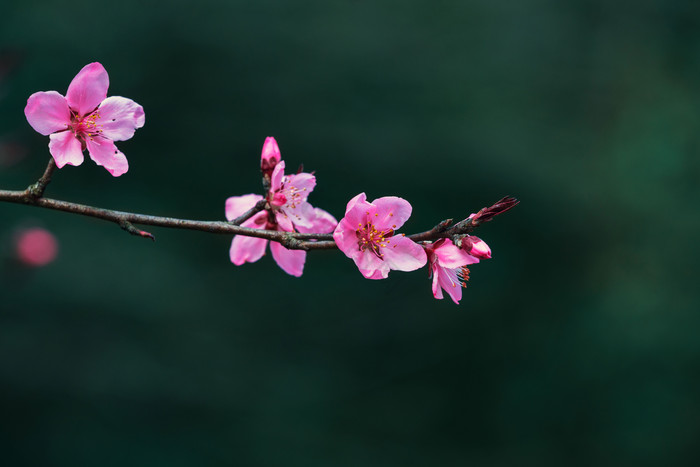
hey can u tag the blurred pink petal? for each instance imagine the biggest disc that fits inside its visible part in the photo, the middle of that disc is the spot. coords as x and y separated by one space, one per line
36 247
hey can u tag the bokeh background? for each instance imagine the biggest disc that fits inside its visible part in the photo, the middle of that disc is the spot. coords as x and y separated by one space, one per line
577 344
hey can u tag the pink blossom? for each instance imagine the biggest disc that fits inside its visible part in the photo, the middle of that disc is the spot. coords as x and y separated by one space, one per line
250 249
36 247
448 267
476 247
85 119
288 195
367 235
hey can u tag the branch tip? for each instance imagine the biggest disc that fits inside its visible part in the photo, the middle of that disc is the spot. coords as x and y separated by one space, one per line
442 226
129 227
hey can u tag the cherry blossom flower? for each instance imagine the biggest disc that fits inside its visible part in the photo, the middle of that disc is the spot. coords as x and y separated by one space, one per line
85 119
287 210
288 195
250 249
448 267
367 236
36 247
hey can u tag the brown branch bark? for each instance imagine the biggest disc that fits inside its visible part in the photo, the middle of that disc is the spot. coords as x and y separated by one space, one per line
37 190
33 196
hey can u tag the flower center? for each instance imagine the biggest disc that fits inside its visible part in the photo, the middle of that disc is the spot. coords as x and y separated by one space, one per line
291 194
278 199
463 275
368 237
87 127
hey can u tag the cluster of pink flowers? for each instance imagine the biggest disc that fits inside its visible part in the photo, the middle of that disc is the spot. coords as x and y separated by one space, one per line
287 210
87 119
448 264
367 233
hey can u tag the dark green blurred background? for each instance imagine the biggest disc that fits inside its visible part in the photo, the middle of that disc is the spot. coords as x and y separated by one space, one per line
575 345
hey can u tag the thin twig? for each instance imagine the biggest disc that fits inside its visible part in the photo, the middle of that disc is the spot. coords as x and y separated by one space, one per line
259 206
37 189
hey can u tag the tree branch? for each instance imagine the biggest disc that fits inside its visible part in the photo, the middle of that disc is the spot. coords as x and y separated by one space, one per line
259 206
290 240
126 220
34 196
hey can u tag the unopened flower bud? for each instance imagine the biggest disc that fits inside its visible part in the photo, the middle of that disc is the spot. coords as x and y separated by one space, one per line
486 214
476 247
270 156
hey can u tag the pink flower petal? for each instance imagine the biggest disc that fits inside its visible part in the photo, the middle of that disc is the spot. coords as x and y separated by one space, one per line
447 278
370 266
246 249
356 211
47 112
404 254
88 89
392 212
361 198
120 117
291 261
302 182
449 256
237 205
258 221
437 290
283 222
276 178
323 223
345 236
302 214
65 149
105 153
